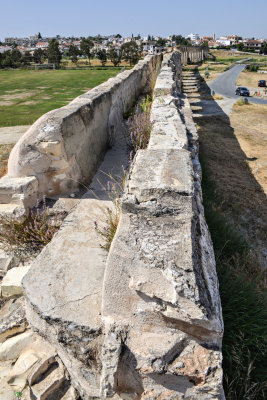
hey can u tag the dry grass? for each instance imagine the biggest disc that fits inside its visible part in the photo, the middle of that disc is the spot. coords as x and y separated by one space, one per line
250 127
250 79
235 151
5 150
217 97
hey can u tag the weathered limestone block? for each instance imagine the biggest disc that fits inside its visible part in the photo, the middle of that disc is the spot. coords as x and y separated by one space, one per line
33 362
11 284
50 384
64 299
5 263
21 191
12 319
172 295
6 393
11 348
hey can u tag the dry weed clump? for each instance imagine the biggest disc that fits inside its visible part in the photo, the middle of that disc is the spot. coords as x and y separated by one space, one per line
31 232
140 125
5 150
111 223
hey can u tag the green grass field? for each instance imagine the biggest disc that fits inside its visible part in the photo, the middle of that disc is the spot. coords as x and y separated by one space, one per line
26 95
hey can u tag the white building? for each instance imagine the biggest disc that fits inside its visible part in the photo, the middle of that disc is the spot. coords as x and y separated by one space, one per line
194 37
5 48
224 41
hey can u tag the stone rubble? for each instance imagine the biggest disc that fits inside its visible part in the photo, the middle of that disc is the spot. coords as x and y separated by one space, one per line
11 284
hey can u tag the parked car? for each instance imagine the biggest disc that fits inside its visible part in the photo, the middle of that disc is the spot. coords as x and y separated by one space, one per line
262 83
242 91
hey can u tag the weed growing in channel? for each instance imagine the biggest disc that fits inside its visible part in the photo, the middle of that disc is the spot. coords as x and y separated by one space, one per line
33 231
115 189
140 125
112 220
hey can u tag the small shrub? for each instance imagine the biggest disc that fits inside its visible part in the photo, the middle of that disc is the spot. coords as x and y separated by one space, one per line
241 102
217 97
32 231
252 68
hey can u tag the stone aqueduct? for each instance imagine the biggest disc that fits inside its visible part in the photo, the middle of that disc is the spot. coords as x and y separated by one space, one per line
144 321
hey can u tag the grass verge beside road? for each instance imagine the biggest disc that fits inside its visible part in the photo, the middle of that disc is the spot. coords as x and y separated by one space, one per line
233 158
243 301
26 95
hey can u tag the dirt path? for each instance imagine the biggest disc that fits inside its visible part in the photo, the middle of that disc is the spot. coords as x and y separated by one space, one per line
11 134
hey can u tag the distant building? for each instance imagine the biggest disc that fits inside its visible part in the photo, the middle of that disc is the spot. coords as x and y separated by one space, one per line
253 45
223 40
42 45
234 39
194 37
207 38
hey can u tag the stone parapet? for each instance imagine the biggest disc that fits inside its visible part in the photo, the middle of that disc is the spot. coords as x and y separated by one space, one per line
64 147
144 322
161 305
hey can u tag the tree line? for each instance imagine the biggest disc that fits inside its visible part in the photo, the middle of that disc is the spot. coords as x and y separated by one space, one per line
129 52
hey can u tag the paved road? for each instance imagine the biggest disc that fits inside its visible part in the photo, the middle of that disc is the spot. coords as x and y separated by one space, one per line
225 84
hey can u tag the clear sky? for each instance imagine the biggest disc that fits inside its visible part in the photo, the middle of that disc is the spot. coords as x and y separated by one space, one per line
158 17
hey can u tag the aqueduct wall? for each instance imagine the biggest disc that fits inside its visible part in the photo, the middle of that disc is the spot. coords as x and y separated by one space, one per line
144 322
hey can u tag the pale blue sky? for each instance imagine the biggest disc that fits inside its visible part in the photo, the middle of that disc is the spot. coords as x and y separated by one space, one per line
158 17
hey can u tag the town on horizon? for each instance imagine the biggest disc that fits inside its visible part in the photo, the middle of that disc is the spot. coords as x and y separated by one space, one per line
147 44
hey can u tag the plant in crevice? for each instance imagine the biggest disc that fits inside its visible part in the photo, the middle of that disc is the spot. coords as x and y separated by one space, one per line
139 124
32 231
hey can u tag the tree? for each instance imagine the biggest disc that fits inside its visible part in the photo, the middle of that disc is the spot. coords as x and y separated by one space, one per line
118 36
240 46
27 58
130 52
39 35
86 46
115 56
161 42
73 53
263 49
38 56
180 40
102 56
53 53
16 57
